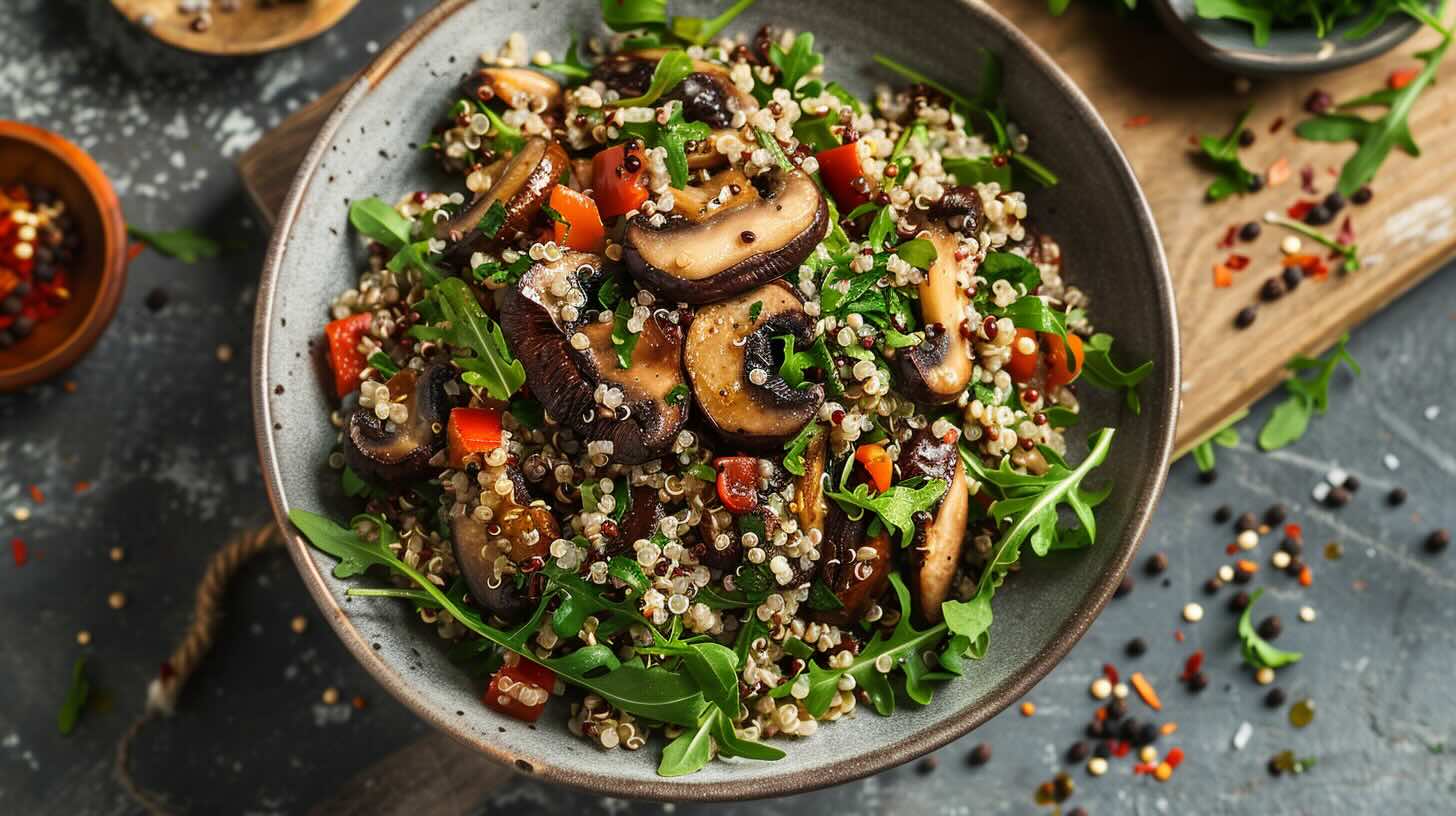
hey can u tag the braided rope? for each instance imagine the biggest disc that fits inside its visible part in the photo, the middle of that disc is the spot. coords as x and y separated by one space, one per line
164 689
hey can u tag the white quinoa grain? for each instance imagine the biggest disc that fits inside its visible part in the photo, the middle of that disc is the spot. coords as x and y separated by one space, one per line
1291 245
1193 613
1225 573
1101 688
1307 614
1120 691
1097 766
1247 540
1264 676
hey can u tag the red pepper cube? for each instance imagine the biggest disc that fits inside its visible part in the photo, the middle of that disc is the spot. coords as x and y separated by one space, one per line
472 430
520 689
345 358
738 482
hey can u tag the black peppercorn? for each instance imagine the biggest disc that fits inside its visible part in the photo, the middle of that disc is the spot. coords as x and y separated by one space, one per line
1096 730
1223 514
1246 137
157 300
1239 602
927 766
1117 709
1270 627
1363 195
979 755
1156 564
1250 231
1212 586
1078 751
1256 183
1207 476
1274 767
1338 497
1246 521
1292 276
1352 483
1318 102
1123 588
1137 647
1245 317
1438 541
1147 734
1128 729
1198 682
1396 497
1275 697
1334 202
1318 216
1103 750
1273 289
1275 515
1293 546
1295 567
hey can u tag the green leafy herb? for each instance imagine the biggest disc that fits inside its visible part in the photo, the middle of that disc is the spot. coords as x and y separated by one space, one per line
754 310
767 141
796 63
1226 436
895 507
700 31
673 137
979 171
1223 154
816 356
677 394
571 66
796 447
384 364
503 137
1060 417
822 598
183 244
352 484
493 367
919 252
528 412
1100 370
493 220
629 572
817 132
971 620
1350 253
379 222
1012 268
703 472
1257 651
1259 16
416 256
672 68
882 227
625 15
624 340
1307 396
75 701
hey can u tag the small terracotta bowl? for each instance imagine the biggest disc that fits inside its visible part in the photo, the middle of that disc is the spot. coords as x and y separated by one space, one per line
35 156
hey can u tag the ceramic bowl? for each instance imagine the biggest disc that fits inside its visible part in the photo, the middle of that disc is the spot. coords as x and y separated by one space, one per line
1227 44
1097 212
36 156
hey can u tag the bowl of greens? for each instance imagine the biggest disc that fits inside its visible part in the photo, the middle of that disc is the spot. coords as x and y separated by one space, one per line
1292 36
720 401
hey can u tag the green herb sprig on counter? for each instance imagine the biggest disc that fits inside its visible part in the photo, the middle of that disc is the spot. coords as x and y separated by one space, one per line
1349 253
1226 436
185 245
1222 153
1308 396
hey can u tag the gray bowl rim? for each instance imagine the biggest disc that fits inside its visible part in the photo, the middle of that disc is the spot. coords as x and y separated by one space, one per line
1267 62
956 723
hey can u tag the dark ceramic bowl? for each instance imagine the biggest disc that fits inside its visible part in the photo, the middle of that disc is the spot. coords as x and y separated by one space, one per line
36 156
1228 45
1097 213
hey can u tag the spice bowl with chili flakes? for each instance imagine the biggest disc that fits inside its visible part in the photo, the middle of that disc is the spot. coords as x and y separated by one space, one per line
62 254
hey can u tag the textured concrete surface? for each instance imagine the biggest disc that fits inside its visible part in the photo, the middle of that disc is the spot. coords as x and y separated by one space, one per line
161 429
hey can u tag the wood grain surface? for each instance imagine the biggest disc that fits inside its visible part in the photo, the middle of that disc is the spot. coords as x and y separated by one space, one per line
1155 98
251 29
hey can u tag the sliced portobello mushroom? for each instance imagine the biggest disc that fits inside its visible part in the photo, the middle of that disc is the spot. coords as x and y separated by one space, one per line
735 248
565 379
854 581
384 451
960 208
727 343
707 94
514 86
521 530
523 186
811 506
938 370
697 203
940 535
639 522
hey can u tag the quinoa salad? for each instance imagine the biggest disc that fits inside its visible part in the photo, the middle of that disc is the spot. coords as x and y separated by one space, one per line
720 401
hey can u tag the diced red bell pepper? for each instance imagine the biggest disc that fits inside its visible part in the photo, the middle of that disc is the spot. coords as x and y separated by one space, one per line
839 167
472 430
738 482
345 358
520 689
583 230
617 189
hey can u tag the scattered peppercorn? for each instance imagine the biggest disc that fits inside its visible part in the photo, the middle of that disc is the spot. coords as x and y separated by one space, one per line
1239 602
1078 752
1292 275
927 766
1275 515
1270 627
1250 231
1318 102
1246 137
1335 202
1156 564
1223 514
1275 698
1246 521
1438 541
1137 647
1123 588
1339 496
1292 546
1396 497
157 300
1363 195
1245 317
1208 476
1212 586
979 755
1256 183
1273 289
1352 483
1198 682
1318 216
1275 766
1147 734
1117 709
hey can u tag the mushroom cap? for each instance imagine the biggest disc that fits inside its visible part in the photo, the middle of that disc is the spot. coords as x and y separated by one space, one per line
854 581
733 250
565 379
936 552
520 529
379 449
524 185
938 371
726 343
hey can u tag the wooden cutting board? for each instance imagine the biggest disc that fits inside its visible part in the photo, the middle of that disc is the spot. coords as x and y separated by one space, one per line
1155 98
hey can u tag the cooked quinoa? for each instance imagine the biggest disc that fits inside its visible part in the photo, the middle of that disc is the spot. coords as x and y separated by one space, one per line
709 360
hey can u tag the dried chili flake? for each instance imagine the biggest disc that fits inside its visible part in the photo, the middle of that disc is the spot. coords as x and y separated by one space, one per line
1141 120
1229 237
19 552
1192 665
1168 729
1231 549
1276 125
1145 691
1401 77
1237 262
1121 748
1174 757
36 495
1306 577
1306 179
1278 172
1298 209
1144 768
1346 234
134 250
81 487
1178 635
1293 532
1110 672
1223 277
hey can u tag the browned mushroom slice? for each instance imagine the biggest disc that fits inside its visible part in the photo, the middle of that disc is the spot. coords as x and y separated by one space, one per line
735 248
960 208
520 531
517 87
523 187
708 94
938 370
812 508
700 202
565 379
938 539
639 521
733 363
856 581
383 450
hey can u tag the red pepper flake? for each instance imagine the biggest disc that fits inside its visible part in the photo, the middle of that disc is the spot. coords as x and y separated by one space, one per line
1178 635
1168 729
1346 235
1231 549
1174 757
1110 672
1120 748
1229 237
1298 209
1144 768
1317 270
19 552
1141 120
1401 77
1293 532
1359 584
1278 172
1191 667
1237 262
36 495
81 487
1145 690
1223 277
1306 179
1305 576
1276 125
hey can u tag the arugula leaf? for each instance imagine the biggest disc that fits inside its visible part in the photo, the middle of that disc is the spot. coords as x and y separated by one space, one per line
1259 16
795 449
629 572
1034 170
754 311
75 700
817 132
1350 253
352 484
1012 268
767 141
1031 312
626 15
979 171
183 244
571 66
677 394
1257 651
503 137
1223 155
380 222
493 220
416 256
672 137
1100 370
700 31
672 68
384 364
493 367
895 507
797 62
881 228
1225 436
816 356
822 598
919 253
971 620
844 96
623 339
1307 396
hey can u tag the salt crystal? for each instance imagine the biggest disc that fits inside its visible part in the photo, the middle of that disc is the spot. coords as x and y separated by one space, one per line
1336 476
1432 411
1321 491
1391 463
1241 736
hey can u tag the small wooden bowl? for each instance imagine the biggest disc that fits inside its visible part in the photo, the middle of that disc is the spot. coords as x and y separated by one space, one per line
248 30
30 154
